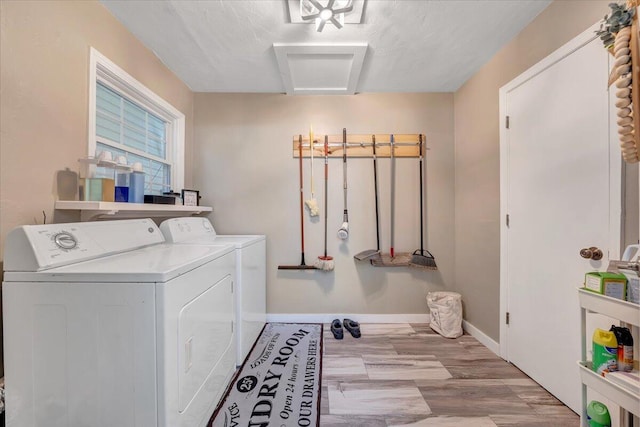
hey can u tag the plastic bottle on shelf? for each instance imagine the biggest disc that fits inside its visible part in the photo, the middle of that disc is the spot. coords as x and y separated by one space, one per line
625 347
97 178
605 351
105 173
122 180
136 184
598 414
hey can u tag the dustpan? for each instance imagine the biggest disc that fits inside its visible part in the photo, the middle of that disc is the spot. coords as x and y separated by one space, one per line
373 254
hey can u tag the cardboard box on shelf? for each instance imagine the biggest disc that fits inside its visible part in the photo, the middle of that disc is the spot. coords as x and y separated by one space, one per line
610 284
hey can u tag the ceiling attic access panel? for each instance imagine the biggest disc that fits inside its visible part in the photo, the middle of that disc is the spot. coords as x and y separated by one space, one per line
314 69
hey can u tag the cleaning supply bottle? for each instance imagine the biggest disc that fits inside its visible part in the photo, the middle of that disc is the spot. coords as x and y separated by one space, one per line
598 414
605 351
625 347
122 180
136 184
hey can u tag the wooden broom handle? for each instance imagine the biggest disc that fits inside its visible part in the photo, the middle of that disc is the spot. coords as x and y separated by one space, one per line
301 200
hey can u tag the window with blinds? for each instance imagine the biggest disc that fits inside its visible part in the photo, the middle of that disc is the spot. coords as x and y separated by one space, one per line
129 119
125 128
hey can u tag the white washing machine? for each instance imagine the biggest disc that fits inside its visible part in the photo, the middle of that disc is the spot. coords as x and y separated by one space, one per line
251 293
107 325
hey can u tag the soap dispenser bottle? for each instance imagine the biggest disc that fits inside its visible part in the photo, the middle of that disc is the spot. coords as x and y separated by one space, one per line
136 184
122 179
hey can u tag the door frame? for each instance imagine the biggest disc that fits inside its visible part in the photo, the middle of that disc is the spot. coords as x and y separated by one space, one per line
615 170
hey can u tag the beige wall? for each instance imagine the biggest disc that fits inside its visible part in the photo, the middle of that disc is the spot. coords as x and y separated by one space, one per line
44 59
44 52
245 170
477 166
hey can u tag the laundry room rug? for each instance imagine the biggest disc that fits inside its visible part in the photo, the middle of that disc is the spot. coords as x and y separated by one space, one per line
279 382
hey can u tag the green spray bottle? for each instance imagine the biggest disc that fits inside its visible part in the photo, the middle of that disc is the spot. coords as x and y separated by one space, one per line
598 414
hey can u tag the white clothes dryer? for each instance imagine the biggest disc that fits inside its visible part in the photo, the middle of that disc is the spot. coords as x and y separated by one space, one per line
251 293
107 325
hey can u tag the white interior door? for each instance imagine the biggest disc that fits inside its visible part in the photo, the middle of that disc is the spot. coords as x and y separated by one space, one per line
556 188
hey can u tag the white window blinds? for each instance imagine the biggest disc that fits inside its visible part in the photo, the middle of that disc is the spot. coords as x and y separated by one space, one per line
125 128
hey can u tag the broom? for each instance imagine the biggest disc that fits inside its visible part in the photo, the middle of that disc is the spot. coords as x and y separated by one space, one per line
419 259
373 253
393 259
302 265
325 262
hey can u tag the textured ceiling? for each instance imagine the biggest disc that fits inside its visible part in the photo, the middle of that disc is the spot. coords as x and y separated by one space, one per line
413 45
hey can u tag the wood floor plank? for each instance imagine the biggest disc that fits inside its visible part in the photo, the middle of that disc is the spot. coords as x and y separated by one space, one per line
376 398
350 346
533 394
472 398
387 329
510 420
324 399
351 421
344 368
404 368
447 421
470 370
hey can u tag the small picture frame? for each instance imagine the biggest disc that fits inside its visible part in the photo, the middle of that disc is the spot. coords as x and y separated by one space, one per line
190 197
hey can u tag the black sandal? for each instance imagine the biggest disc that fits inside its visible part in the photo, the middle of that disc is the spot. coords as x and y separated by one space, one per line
353 327
336 329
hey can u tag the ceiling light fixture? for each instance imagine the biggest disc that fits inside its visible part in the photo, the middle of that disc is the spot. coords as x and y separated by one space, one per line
333 12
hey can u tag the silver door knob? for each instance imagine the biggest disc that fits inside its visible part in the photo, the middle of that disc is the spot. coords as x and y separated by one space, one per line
591 253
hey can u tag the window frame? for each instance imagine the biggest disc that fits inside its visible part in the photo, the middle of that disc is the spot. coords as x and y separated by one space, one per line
104 71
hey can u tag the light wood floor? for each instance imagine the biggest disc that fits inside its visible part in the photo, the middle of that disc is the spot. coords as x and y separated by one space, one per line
407 375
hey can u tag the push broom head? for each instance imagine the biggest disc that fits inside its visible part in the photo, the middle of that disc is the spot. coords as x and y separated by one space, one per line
419 259
399 259
297 267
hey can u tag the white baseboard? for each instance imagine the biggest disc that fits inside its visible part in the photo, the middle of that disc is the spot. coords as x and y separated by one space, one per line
362 318
483 338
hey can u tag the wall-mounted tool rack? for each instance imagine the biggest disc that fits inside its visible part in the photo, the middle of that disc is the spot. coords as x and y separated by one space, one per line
405 145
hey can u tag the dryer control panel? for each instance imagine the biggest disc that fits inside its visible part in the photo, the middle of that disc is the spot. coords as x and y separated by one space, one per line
40 247
177 230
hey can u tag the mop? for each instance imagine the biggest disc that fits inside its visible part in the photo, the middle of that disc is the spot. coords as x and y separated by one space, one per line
343 232
419 259
302 265
373 253
393 259
312 203
325 262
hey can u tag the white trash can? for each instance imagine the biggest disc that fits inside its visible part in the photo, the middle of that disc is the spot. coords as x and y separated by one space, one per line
446 313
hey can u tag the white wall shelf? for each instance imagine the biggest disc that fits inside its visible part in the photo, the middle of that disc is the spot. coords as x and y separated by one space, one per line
90 211
626 312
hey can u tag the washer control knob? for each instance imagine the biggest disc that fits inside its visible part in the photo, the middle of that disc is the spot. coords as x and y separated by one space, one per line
65 240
